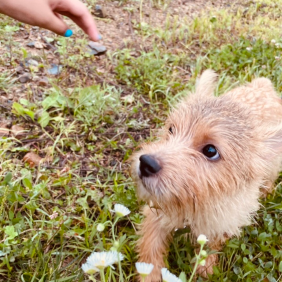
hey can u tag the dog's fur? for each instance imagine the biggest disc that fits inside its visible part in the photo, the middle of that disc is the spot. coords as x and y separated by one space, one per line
215 198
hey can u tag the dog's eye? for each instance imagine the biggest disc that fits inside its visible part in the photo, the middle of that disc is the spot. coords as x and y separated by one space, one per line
170 129
211 152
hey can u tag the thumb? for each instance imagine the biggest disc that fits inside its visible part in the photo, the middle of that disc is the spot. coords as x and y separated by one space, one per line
56 24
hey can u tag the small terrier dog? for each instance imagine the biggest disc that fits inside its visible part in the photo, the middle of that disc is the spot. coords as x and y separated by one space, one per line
215 158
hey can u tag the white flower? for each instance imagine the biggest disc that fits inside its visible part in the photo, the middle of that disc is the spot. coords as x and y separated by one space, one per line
273 41
89 269
169 277
202 239
203 253
144 268
121 210
249 48
202 262
101 260
53 215
100 227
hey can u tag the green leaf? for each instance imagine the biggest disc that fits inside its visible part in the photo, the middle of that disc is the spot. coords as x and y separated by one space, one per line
10 231
280 266
50 101
243 247
27 183
20 110
268 264
8 177
24 102
29 113
263 236
44 119
182 277
25 54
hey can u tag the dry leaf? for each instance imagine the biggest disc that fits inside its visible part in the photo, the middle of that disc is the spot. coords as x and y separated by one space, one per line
32 159
64 170
38 45
4 130
128 99
17 131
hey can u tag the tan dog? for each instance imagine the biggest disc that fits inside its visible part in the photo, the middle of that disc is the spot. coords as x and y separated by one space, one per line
210 166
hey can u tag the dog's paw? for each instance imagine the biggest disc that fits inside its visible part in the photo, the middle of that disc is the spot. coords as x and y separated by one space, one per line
211 260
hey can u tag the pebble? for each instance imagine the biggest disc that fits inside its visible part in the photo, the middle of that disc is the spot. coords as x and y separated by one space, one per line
43 81
19 70
96 48
30 44
99 12
55 69
25 77
31 62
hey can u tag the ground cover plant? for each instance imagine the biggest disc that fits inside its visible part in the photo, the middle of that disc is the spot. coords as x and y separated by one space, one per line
69 121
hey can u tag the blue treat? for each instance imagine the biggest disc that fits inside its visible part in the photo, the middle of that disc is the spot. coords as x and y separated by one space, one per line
68 33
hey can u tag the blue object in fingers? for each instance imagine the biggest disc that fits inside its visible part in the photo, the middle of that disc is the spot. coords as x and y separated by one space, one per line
68 33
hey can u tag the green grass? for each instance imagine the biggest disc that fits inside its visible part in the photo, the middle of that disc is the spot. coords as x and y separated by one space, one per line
87 124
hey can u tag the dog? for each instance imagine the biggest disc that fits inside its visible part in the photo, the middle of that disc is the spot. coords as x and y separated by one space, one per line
214 159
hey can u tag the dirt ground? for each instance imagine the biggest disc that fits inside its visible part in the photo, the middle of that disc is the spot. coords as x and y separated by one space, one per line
116 28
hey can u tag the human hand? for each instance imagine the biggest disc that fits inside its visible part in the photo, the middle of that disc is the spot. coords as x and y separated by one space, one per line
48 14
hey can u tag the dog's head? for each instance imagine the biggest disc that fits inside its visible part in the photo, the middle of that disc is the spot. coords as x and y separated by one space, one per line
210 147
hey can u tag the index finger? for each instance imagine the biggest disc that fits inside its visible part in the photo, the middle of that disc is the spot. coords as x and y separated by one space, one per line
78 12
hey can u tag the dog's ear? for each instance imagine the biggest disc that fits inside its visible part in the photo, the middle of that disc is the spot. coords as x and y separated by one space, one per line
262 83
273 139
206 84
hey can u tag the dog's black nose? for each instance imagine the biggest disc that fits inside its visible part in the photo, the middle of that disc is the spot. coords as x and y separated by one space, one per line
148 165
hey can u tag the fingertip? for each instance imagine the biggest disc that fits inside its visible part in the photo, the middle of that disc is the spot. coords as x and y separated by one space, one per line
95 36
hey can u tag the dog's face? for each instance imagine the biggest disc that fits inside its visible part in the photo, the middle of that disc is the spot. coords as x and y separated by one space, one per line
210 147
205 148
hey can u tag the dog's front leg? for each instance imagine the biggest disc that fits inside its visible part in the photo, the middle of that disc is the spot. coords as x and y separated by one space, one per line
153 243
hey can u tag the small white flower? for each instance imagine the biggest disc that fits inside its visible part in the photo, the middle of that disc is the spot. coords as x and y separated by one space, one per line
202 239
89 269
203 253
144 268
273 41
121 210
168 276
100 227
101 260
249 48
53 215
277 58
277 45
202 262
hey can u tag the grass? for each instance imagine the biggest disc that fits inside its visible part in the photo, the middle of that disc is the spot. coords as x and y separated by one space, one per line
91 118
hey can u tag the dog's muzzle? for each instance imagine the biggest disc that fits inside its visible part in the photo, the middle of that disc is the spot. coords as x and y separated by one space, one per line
148 166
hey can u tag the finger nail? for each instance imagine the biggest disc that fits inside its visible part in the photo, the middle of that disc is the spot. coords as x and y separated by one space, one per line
100 37
68 33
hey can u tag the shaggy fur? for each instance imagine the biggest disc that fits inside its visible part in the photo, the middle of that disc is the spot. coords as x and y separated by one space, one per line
215 198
